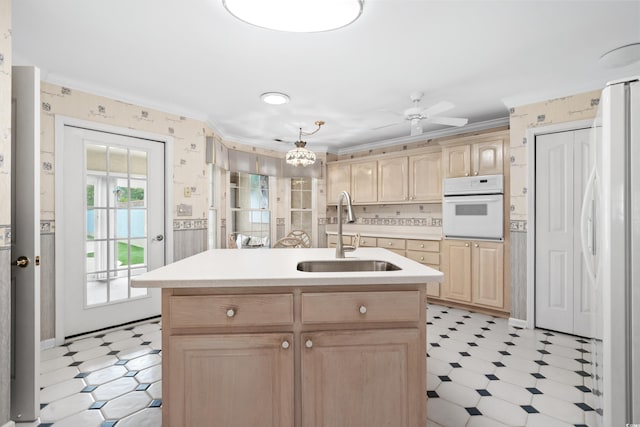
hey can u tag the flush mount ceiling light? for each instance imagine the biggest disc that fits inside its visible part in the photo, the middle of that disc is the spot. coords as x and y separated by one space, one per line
621 56
274 98
301 156
298 16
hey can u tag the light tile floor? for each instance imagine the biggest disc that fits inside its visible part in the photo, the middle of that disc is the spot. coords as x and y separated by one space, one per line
480 372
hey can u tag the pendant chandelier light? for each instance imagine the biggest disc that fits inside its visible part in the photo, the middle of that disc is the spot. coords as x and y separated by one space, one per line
299 16
301 156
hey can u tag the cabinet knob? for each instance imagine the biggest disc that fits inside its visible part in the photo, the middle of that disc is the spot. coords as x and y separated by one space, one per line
390 243
308 343
422 245
466 174
475 173
476 245
231 312
466 245
362 309
285 344
421 258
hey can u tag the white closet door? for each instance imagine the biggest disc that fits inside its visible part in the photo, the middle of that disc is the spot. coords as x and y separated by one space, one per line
564 299
554 232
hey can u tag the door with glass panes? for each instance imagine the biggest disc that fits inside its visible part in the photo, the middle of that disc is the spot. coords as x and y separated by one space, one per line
113 227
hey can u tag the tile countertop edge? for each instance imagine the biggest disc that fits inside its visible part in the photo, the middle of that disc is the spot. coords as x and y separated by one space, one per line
251 268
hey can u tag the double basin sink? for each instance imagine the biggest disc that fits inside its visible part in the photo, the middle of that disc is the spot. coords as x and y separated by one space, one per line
345 265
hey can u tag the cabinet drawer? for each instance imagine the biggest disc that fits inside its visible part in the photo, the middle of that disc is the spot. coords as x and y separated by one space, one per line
230 310
391 243
368 242
423 245
332 239
402 306
424 257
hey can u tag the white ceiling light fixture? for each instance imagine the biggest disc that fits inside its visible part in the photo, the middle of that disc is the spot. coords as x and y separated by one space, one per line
297 16
301 156
274 98
621 56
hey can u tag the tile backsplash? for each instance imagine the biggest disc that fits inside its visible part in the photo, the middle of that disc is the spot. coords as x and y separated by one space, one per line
393 215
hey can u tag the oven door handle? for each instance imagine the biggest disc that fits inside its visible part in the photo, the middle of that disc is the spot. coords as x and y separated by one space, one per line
469 201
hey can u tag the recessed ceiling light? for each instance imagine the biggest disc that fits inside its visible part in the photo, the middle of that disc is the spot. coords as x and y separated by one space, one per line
621 56
297 16
274 98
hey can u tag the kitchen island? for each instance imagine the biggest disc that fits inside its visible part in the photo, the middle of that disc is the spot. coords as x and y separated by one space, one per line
250 340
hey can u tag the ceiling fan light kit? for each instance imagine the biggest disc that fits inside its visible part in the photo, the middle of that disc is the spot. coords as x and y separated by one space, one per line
298 16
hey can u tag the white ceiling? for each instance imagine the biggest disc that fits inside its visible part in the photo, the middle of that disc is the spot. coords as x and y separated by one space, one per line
194 59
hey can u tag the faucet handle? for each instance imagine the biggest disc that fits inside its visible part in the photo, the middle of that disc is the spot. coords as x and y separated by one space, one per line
356 241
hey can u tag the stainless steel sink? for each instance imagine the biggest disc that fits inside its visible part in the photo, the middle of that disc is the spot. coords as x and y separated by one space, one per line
344 265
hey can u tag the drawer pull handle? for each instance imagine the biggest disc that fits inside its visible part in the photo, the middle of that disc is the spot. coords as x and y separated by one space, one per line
285 344
231 312
421 258
362 309
422 245
308 343
466 245
390 244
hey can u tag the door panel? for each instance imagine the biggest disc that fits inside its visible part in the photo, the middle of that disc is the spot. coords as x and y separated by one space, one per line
25 220
487 271
486 158
564 299
457 268
364 182
425 177
113 213
393 176
457 161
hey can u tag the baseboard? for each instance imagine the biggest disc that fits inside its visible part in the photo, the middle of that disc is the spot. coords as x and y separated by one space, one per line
50 343
518 323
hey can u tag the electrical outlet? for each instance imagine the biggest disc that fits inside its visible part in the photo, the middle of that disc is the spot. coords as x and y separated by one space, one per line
187 191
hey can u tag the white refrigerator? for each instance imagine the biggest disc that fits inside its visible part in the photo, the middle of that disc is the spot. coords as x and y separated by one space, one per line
611 244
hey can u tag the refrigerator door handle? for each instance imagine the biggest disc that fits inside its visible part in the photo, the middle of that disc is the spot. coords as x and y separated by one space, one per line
588 225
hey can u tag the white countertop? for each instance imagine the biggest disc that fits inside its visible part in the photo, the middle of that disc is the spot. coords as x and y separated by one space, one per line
393 232
277 267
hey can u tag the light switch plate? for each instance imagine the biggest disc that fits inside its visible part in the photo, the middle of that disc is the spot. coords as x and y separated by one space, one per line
184 210
187 191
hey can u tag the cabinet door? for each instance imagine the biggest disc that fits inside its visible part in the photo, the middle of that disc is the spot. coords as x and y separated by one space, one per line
230 381
363 378
364 182
487 273
393 178
456 265
425 178
457 161
486 158
338 180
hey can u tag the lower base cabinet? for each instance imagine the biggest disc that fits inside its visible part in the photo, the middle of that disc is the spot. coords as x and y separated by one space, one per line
361 378
295 357
232 380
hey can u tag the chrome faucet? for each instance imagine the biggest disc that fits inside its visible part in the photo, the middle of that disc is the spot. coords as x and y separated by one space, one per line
340 248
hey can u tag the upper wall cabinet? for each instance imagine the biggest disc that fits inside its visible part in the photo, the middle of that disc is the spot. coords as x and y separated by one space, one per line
364 182
479 158
393 179
338 180
425 178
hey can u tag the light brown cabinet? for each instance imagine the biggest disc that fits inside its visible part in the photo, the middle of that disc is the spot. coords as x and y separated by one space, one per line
393 179
473 272
338 180
294 356
425 178
364 182
479 158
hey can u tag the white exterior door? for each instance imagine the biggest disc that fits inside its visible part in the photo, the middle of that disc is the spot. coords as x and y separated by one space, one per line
113 226
563 300
25 220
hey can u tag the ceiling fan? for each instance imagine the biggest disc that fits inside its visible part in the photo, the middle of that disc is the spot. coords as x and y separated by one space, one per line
417 114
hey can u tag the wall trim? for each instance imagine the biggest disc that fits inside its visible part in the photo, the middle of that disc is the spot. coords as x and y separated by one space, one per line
60 122
532 133
518 323
47 344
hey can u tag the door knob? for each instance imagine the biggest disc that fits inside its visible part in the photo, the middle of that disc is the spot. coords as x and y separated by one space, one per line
158 238
21 262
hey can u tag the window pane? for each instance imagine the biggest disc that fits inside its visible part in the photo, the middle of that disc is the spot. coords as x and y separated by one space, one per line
138 223
118 160
119 286
96 224
96 290
96 157
118 192
138 163
138 252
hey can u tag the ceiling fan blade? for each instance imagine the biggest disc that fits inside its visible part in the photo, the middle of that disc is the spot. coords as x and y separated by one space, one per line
438 108
449 121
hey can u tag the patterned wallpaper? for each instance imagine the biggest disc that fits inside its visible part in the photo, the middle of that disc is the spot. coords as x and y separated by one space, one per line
189 168
568 109
5 122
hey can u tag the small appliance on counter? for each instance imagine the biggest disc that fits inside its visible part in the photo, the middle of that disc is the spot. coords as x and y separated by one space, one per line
472 207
